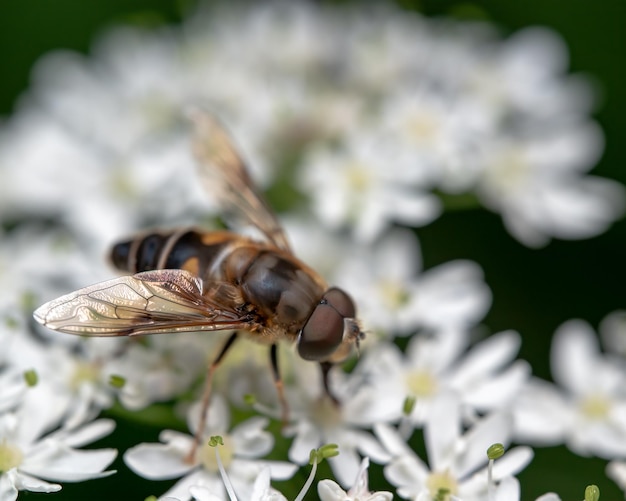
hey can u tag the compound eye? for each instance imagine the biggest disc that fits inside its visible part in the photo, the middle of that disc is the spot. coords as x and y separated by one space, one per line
323 332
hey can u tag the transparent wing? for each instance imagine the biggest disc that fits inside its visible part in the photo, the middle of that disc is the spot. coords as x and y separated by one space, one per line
224 175
151 302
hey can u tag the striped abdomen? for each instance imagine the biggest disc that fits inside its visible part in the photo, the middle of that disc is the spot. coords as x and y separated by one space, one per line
277 286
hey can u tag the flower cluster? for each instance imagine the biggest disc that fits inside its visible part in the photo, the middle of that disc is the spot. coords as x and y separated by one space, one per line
361 126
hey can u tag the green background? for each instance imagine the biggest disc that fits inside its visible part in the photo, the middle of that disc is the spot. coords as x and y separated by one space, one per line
534 290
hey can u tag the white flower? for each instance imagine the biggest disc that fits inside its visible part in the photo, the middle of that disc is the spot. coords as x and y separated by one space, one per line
317 420
261 491
396 297
243 446
368 183
587 410
456 461
483 378
29 453
537 187
328 490
161 368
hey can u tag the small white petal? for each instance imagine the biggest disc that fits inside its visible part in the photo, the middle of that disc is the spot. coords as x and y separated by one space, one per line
25 482
156 461
495 428
72 465
250 439
328 490
442 430
88 433
508 490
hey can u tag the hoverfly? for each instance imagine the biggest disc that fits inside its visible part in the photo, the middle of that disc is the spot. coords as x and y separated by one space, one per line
194 280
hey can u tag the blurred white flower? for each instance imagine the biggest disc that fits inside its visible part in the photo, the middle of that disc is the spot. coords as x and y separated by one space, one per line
484 379
613 332
30 451
368 183
328 490
161 368
537 185
411 105
396 297
243 446
457 462
317 420
261 491
587 410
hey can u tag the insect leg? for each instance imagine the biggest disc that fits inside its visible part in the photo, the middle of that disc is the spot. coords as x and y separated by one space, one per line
326 366
280 388
206 396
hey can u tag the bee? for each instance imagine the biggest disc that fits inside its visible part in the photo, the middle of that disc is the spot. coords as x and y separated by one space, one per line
194 280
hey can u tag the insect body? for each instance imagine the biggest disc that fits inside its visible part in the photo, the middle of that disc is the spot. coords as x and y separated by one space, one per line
191 280
275 295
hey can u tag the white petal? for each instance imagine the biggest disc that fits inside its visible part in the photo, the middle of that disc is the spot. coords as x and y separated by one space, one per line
549 496
181 489
201 494
88 433
442 430
573 355
25 482
500 389
307 438
327 490
156 461
8 490
512 462
487 357
391 440
407 472
345 466
508 490
495 428
73 466
251 440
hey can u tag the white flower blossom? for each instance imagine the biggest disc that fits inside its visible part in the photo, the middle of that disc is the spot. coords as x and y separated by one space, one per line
328 490
317 420
587 410
30 451
396 297
243 446
366 184
483 378
456 461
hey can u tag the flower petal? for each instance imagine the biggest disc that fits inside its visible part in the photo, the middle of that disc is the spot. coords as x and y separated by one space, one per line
71 465
156 461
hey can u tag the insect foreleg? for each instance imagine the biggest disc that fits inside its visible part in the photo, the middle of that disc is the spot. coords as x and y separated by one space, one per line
206 396
278 382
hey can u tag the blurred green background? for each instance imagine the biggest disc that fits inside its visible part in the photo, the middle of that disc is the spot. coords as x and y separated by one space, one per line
534 290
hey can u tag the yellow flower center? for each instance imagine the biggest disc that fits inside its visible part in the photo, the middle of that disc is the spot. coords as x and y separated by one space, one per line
325 413
394 294
508 173
10 456
84 372
595 407
357 177
441 485
421 383
207 456
422 127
